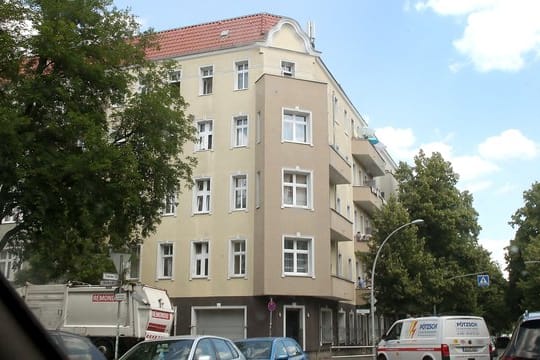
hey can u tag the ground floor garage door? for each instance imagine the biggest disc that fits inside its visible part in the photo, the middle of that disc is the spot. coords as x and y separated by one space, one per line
229 323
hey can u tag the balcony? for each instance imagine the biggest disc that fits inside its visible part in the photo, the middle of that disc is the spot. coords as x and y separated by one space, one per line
367 198
362 296
366 155
342 289
341 228
361 242
340 168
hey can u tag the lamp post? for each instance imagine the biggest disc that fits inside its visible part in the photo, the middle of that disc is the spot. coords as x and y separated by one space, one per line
372 296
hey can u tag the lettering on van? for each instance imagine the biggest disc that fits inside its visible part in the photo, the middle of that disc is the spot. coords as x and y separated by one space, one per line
468 328
466 324
422 329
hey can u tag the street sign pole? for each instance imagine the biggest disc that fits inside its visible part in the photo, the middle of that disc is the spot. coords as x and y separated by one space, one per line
121 272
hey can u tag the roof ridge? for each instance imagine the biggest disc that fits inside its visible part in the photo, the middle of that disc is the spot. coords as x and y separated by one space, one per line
261 14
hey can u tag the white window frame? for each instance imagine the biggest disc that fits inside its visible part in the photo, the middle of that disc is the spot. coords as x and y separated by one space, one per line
288 68
175 77
162 258
296 252
202 196
295 187
169 205
239 190
7 262
240 126
202 259
241 69
207 79
326 326
292 119
235 256
205 135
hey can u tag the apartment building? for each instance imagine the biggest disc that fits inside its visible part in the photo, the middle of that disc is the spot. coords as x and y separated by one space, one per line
288 177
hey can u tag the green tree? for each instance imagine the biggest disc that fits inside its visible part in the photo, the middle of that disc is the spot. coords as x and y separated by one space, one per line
449 242
86 158
406 277
523 254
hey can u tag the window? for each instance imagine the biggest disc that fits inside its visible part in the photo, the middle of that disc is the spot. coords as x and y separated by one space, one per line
326 326
134 264
240 126
238 258
169 205
296 127
207 77
239 192
225 351
258 129
258 189
351 327
297 256
241 75
342 330
205 129
296 188
174 78
199 259
202 196
165 260
8 264
287 68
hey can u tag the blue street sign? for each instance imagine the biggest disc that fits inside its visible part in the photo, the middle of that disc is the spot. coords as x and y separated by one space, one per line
482 280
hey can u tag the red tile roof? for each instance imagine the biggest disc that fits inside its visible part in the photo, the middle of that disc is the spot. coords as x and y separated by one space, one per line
211 36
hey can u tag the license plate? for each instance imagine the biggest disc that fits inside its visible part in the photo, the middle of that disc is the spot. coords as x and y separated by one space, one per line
469 349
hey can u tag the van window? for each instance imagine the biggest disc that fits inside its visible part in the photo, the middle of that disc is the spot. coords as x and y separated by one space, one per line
395 332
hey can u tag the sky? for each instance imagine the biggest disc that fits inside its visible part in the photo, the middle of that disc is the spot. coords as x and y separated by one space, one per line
460 77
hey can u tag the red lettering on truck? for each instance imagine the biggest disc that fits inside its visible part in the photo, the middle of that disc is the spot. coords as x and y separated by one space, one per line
161 315
97 298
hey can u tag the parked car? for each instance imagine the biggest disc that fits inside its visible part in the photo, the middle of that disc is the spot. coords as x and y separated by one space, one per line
525 341
271 348
185 347
75 346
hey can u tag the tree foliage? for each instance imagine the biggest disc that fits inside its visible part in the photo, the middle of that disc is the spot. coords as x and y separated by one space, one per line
86 158
443 254
523 254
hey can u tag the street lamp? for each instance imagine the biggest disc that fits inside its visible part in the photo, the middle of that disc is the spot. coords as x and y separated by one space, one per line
372 297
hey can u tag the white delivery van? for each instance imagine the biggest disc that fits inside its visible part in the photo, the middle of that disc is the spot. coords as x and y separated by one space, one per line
436 338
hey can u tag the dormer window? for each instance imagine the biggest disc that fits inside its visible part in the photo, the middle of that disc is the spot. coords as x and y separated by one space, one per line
287 68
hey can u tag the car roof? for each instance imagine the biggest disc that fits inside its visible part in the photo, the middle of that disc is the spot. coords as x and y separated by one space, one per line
184 337
534 315
264 338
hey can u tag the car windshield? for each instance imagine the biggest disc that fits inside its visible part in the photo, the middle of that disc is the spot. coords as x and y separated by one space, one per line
528 340
255 349
160 350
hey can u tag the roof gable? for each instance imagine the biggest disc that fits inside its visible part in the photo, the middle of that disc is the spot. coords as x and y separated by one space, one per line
211 36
